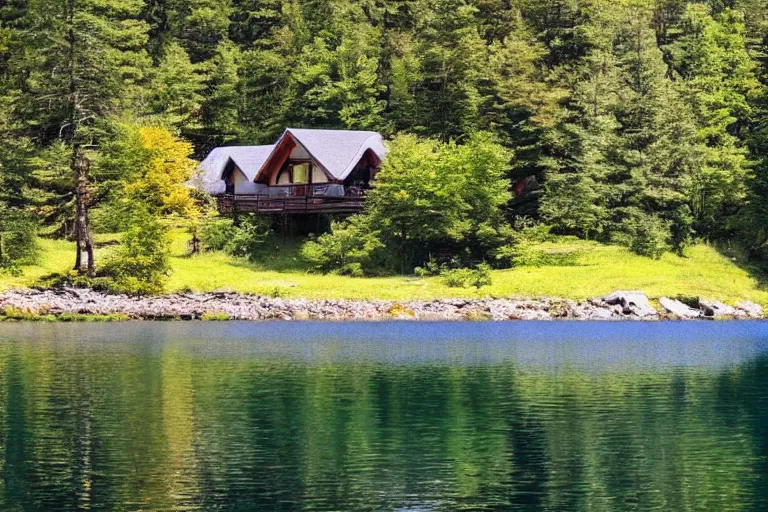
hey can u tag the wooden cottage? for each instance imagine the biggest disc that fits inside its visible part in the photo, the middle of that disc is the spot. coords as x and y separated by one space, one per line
305 171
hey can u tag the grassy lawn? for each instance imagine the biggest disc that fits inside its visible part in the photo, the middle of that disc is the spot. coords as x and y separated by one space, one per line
598 270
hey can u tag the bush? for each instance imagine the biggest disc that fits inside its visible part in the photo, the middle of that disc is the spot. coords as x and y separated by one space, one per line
430 268
248 240
18 240
466 277
646 235
348 250
524 248
216 233
141 264
251 238
528 255
215 316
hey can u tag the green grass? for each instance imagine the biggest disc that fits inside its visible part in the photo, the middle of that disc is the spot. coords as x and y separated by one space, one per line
213 316
598 270
9 314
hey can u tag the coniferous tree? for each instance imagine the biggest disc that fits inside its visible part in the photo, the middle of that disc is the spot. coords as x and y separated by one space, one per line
175 89
663 152
583 173
88 63
624 156
448 97
717 81
523 97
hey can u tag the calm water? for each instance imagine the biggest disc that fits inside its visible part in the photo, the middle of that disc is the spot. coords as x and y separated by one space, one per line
553 417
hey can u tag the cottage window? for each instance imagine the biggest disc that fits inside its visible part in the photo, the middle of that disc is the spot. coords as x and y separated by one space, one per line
301 172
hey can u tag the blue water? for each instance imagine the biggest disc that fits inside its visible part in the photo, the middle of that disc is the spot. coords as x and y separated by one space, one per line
385 416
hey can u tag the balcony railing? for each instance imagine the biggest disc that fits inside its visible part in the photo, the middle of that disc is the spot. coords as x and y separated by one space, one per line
292 199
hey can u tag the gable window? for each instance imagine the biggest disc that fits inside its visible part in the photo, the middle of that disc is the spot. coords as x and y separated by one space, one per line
301 172
296 173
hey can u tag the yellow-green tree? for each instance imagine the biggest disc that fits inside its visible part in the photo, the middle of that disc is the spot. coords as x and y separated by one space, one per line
161 182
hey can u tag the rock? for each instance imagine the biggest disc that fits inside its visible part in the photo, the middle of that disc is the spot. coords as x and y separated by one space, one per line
749 309
715 308
679 309
617 306
632 303
600 314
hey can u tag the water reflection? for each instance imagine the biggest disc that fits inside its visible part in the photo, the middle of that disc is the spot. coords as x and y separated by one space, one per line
384 417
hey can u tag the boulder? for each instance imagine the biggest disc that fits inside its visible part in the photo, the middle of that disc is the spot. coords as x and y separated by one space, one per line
632 303
715 308
750 309
599 314
679 309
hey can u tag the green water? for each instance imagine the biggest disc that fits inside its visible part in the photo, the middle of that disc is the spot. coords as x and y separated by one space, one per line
557 417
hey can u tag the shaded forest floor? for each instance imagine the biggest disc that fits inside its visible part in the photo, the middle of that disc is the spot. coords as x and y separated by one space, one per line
593 270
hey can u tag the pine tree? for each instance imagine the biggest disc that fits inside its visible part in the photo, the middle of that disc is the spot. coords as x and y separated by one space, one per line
583 173
219 111
624 156
174 94
717 81
89 60
754 226
662 151
452 54
523 97
254 22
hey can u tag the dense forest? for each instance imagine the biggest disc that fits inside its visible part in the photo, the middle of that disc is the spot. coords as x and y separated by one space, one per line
644 122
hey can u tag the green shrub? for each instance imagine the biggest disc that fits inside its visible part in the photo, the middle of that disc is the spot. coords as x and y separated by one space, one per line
251 238
18 240
430 268
216 233
348 250
524 248
467 277
141 264
646 235
215 316
528 255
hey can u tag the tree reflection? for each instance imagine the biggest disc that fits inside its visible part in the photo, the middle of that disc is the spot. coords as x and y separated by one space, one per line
169 429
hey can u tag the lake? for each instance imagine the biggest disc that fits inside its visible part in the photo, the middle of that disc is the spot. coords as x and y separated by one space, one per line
389 416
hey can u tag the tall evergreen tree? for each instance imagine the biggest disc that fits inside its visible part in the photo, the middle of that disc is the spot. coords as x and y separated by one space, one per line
448 97
717 81
630 144
89 59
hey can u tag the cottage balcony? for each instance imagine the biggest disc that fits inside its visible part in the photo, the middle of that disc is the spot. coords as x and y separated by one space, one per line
295 199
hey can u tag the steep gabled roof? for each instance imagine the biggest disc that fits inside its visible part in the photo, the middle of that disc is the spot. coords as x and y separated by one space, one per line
248 159
337 151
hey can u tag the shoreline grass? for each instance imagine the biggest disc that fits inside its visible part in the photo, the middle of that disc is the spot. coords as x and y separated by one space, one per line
596 270
15 315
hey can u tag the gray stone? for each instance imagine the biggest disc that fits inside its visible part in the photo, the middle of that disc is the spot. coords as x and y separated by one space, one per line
617 306
632 303
679 309
715 308
601 314
749 309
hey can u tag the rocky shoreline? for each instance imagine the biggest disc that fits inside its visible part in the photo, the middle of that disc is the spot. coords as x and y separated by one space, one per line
225 306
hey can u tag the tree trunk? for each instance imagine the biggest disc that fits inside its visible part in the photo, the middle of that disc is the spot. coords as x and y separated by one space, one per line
84 263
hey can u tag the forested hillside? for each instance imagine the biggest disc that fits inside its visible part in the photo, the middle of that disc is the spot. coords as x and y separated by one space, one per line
645 122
